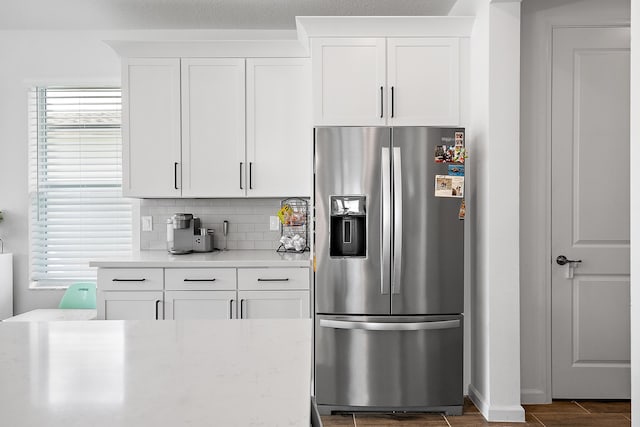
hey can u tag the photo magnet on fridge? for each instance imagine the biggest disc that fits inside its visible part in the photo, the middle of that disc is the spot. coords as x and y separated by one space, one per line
449 186
462 211
456 170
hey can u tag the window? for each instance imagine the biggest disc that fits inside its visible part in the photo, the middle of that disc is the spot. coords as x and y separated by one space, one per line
77 212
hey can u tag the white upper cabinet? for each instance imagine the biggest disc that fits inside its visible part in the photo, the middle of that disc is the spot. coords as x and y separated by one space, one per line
408 81
213 127
423 77
151 127
185 127
279 129
348 81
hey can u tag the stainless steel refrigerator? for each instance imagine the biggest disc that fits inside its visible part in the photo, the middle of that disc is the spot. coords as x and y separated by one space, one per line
389 272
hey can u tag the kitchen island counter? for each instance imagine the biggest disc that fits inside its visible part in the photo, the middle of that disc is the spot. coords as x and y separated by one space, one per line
150 373
231 258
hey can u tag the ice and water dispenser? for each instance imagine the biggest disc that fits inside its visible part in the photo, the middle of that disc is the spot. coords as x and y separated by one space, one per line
348 226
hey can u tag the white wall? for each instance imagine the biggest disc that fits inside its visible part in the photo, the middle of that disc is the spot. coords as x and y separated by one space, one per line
538 18
478 208
495 84
37 58
55 57
635 212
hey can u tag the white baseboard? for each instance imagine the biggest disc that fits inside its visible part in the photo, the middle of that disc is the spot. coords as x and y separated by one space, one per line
533 396
508 413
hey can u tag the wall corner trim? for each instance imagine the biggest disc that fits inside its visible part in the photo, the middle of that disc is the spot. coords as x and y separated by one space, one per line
499 413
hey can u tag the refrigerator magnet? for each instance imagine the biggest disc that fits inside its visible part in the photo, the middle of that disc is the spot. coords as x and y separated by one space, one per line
462 210
456 170
442 154
449 186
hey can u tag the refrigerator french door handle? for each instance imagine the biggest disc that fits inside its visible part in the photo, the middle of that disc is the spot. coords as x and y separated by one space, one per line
385 254
390 326
397 221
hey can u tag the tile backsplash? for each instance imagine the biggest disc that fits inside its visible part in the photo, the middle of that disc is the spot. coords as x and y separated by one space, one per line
248 221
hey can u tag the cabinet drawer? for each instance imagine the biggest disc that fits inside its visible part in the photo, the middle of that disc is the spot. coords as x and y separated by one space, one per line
273 278
130 279
198 279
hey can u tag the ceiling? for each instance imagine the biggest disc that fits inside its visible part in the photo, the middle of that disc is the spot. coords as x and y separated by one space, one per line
196 14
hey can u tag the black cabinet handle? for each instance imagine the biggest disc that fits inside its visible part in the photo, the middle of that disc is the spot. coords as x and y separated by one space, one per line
381 102
175 175
231 309
199 280
241 311
392 101
157 308
241 176
250 176
128 280
274 280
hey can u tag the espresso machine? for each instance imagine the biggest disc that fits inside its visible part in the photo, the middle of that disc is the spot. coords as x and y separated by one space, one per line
184 235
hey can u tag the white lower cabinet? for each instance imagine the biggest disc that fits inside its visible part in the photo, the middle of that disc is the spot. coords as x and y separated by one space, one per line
197 305
130 293
273 304
203 293
130 305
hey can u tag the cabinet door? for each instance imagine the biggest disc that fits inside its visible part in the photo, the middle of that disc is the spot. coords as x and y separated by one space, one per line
423 81
198 305
213 128
151 127
130 305
273 279
279 129
348 81
274 304
130 279
200 279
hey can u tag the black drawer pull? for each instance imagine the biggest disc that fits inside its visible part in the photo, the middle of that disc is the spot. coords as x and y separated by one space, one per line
273 280
128 280
199 280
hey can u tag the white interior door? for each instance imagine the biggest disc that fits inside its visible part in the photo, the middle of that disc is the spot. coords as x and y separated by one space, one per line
590 213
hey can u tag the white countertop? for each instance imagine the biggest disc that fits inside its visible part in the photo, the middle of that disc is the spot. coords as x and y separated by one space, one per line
232 258
155 373
50 314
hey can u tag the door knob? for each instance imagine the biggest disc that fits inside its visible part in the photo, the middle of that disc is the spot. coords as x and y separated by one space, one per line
562 260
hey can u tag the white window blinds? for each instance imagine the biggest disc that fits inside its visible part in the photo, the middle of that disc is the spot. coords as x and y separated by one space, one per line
77 212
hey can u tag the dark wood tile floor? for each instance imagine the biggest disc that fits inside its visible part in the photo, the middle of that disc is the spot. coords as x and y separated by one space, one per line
560 413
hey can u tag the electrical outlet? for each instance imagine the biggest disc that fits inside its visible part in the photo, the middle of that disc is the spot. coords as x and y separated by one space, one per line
274 223
147 223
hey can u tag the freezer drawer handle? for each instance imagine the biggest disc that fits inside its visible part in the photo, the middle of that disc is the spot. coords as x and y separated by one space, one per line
200 280
128 280
286 279
384 326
